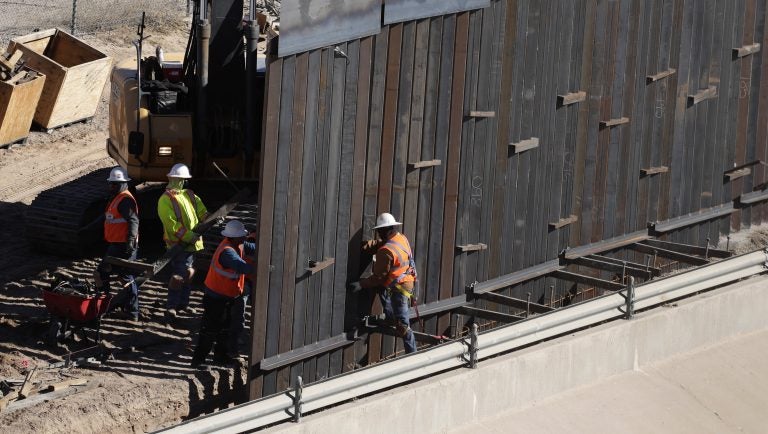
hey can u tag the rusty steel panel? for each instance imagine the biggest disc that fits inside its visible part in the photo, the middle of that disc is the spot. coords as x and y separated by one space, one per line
309 24
396 11
389 123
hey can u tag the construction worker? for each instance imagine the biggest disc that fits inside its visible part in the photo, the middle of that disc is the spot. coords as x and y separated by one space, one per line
223 285
239 305
394 276
180 210
121 233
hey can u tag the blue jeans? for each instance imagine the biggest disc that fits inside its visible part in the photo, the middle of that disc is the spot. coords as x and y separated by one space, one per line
397 307
179 299
117 250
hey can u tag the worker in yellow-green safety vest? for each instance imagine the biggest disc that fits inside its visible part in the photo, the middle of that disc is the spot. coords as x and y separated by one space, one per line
394 276
180 210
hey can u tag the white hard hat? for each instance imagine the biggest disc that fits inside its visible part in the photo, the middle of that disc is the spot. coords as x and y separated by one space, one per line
179 170
118 175
385 220
234 229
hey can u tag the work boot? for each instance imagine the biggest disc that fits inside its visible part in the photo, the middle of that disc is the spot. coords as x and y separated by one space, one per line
171 314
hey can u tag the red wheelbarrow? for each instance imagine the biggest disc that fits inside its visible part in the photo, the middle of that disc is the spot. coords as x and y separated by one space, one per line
74 306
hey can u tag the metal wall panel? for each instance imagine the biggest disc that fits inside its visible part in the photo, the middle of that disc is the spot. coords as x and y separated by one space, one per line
396 11
309 24
341 137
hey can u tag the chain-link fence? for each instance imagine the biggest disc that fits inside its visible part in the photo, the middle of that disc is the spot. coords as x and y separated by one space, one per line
20 17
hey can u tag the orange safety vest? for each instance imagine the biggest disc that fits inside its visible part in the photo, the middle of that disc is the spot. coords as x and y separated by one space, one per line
403 267
115 224
177 211
221 280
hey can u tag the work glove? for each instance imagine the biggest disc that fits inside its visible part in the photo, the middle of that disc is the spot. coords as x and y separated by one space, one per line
131 246
354 287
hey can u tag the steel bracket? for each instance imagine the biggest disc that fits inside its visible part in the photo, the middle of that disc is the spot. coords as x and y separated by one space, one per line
297 391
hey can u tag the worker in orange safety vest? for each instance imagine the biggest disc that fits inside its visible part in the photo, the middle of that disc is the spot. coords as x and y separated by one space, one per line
394 276
121 233
223 285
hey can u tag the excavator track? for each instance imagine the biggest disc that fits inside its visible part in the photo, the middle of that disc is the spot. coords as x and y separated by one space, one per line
56 218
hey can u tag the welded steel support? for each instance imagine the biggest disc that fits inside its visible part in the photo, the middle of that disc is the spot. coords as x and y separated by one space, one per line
630 308
473 346
297 391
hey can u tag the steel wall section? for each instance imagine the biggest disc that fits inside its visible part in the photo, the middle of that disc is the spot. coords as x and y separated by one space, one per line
341 128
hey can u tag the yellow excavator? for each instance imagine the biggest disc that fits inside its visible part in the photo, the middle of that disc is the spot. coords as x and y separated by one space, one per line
201 107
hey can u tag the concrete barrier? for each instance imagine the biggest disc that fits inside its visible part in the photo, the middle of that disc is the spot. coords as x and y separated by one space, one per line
515 380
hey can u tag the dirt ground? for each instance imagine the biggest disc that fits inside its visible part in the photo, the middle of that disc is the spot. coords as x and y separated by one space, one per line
139 379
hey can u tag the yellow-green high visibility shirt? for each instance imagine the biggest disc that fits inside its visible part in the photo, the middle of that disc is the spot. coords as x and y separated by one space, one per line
180 211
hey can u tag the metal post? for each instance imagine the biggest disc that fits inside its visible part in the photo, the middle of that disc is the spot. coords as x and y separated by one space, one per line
706 251
630 299
655 257
528 306
473 346
297 399
728 243
647 262
73 23
623 271
552 295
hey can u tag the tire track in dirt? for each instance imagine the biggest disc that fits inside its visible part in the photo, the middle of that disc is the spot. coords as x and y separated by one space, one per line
66 170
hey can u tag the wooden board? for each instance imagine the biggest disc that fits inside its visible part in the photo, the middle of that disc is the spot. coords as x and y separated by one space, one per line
75 76
17 108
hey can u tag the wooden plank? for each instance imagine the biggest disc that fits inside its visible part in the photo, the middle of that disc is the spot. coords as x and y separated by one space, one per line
133 265
525 145
736 174
61 385
703 95
268 157
654 170
26 387
587 280
482 114
17 108
571 98
424 164
306 352
472 247
661 75
317 266
746 50
614 122
573 218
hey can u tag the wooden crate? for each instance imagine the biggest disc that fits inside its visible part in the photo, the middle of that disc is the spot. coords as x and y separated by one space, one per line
17 108
75 75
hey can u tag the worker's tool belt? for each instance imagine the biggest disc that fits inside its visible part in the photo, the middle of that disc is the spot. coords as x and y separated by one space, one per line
398 287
